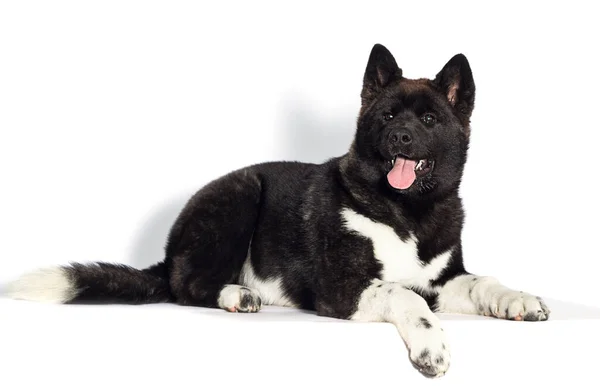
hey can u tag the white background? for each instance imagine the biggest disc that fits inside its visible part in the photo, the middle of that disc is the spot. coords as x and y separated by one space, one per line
113 113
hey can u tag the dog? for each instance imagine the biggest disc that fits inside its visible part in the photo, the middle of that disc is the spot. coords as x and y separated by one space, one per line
373 235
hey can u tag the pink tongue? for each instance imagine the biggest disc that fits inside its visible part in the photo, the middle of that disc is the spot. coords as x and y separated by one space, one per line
402 174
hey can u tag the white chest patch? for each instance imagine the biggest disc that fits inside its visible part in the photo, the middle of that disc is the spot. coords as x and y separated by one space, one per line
269 290
399 258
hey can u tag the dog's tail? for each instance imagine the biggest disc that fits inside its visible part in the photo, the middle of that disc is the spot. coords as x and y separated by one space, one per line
94 283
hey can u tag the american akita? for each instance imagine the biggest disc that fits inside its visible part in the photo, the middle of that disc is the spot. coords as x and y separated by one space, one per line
373 235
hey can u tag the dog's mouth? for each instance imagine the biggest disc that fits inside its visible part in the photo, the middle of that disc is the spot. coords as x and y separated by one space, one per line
404 171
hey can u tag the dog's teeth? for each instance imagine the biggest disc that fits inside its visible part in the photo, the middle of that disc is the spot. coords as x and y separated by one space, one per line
418 167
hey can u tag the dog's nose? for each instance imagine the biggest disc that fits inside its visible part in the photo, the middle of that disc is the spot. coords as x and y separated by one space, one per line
401 136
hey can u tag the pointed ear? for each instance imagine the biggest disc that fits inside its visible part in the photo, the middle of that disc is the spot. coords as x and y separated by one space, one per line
381 70
455 80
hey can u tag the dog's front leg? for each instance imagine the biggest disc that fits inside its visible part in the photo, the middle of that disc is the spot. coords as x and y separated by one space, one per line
417 325
470 294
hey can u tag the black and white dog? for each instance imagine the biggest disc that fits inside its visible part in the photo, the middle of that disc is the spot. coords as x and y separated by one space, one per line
373 235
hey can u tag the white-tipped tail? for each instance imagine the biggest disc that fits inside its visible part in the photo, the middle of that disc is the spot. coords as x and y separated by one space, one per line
49 285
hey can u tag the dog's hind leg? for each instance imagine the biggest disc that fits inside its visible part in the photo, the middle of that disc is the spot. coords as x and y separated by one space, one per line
209 243
237 298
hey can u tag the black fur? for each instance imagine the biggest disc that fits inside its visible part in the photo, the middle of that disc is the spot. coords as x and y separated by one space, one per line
287 214
424 323
109 283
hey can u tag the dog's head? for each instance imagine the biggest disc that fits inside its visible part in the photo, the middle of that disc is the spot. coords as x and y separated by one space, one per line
412 135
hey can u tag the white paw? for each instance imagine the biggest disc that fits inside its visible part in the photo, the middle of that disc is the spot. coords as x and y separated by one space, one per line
237 298
515 305
429 350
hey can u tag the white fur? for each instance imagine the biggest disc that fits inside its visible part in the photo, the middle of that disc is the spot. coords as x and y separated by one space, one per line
470 294
49 285
399 258
269 290
231 296
391 302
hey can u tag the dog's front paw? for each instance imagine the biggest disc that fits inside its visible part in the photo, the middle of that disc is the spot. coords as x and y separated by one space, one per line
515 305
429 351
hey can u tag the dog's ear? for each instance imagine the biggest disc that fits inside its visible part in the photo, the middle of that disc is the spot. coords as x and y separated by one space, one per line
381 71
455 80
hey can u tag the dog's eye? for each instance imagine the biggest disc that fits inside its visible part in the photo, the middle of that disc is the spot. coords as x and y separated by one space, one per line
388 116
428 119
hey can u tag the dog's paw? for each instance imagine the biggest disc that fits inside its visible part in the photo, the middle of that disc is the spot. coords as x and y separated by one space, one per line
237 298
515 305
429 351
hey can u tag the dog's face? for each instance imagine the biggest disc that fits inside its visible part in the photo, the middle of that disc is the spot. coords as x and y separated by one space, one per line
412 135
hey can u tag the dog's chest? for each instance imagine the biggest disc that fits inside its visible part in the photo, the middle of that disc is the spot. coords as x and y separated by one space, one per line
399 258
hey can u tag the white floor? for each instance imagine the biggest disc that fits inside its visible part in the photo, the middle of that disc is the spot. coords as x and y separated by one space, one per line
167 347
